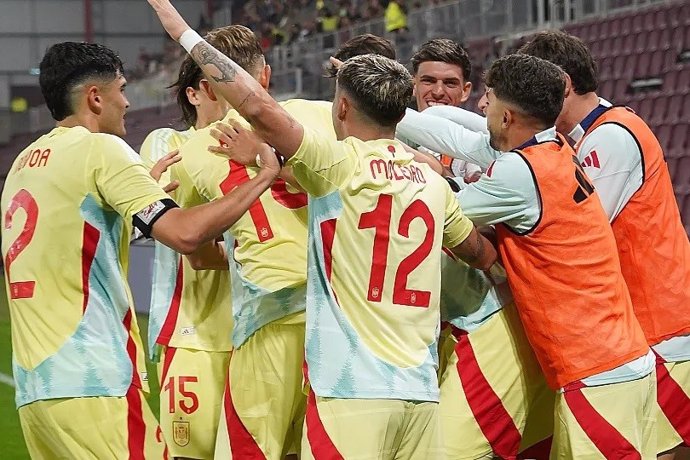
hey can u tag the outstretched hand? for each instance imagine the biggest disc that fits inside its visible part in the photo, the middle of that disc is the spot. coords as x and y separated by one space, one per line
170 18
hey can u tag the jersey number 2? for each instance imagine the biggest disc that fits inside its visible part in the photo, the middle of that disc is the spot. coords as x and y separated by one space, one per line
23 200
380 219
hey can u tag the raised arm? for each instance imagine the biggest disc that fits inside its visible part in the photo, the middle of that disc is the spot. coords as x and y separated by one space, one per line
470 120
442 135
241 90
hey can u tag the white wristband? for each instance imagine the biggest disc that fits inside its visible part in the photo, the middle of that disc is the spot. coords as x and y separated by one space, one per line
258 160
189 39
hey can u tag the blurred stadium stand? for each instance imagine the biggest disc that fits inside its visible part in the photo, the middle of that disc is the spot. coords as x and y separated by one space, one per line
642 49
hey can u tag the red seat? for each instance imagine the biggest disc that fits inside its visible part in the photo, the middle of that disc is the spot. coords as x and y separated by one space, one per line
646 108
659 109
637 23
663 133
664 39
683 173
642 65
653 40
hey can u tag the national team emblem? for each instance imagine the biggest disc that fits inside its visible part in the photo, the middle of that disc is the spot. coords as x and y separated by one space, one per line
181 433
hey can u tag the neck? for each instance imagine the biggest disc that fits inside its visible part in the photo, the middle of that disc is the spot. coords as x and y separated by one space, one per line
521 134
86 121
578 108
370 132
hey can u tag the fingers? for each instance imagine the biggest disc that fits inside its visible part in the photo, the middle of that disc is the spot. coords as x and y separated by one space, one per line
172 186
237 126
219 150
221 136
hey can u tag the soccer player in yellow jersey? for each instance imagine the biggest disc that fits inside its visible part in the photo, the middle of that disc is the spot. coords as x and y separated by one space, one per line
68 204
372 308
264 404
190 318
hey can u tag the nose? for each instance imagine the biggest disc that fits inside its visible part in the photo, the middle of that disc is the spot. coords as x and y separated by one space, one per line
483 103
438 89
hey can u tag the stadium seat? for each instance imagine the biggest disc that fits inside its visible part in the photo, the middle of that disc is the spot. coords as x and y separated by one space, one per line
614 28
674 108
646 108
637 23
663 133
659 108
672 164
682 176
683 80
660 19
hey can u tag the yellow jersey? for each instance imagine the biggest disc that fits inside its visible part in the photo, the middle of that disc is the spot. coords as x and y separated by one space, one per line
269 267
67 210
189 308
377 223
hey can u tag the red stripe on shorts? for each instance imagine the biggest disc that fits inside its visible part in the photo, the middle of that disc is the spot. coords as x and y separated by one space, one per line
603 435
492 417
242 443
321 445
674 402
136 427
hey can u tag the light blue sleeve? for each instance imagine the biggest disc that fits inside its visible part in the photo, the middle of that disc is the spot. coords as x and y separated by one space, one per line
470 120
506 194
442 135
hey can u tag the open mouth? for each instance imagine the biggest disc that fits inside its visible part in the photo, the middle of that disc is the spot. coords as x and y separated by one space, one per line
435 103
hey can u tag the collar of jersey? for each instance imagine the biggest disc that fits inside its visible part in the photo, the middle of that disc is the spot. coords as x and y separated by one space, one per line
541 137
579 130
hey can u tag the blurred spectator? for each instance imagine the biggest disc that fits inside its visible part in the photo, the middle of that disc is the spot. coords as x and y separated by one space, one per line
396 17
328 21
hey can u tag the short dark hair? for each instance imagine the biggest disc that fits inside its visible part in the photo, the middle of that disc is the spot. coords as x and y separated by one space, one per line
238 43
535 86
361 44
569 53
380 87
68 64
443 50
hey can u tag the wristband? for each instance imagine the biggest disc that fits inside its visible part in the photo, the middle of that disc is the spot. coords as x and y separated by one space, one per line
258 160
189 39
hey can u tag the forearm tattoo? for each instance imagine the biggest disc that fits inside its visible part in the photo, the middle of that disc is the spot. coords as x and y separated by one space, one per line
205 54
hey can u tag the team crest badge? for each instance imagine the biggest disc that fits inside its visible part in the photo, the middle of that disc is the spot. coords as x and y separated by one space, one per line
181 433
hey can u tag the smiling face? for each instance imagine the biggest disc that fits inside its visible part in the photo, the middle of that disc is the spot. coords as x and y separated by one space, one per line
440 83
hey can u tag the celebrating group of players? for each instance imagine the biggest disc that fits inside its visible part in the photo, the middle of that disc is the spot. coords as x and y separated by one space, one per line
335 299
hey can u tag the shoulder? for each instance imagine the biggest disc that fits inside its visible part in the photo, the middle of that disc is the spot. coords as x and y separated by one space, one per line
610 140
161 134
113 145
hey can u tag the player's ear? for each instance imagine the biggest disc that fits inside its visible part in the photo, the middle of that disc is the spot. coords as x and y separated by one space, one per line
192 96
343 108
94 100
205 86
265 77
466 90
568 85
507 118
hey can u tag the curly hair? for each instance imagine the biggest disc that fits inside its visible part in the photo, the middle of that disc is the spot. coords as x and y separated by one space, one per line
533 85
